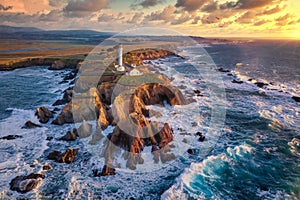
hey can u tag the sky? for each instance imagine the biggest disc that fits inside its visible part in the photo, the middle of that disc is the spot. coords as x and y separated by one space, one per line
207 18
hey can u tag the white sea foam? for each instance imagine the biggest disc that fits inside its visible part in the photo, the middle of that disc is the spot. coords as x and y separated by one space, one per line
206 169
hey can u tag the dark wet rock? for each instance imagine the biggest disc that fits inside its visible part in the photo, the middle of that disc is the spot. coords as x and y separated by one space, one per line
55 110
223 70
43 114
55 155
197 91
47 167
67 97
49 138
70 135
230 74
261 84
84 130
106 171
194 124
29 125
199 133
297 99
250 79
66 116
191 151
69 76
238 82
25 184
63 82
67 157
201 138
11 137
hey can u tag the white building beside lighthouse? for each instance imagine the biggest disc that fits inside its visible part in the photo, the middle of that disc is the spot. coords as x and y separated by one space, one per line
120 67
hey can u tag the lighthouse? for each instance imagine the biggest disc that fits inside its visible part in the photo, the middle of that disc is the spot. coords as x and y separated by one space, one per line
120 66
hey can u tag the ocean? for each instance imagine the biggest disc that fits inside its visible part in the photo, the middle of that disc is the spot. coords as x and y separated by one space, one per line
252 146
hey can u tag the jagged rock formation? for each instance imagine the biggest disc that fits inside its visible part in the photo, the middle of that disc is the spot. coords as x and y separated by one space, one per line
30 124
24 184
67 157
70 135
43 114
11 137
66 115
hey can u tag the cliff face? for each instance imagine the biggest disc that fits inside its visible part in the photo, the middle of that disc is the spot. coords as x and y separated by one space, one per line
110 103
133 131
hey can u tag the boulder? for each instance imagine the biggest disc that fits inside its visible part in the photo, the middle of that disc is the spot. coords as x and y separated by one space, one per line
223 70
29 125
25 184
67 97
261 84
47 167
297 99
67 157
11 137
70 135
66 116
238 82
106 171
43 114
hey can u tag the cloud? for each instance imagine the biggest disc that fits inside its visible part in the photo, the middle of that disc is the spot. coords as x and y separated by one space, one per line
52 16
261 22
77 8
136 18
167 14
57 3
210 7
147 3
246 4
182 19
247 17
190 5
272 10
5 8
283 20
18 17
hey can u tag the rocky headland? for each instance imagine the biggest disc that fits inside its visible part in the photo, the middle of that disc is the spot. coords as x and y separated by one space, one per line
110 104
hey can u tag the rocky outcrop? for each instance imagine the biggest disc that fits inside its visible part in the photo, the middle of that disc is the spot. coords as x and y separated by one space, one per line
106 171
156 93
11 137
30 124
137 56
223 70
70 135
67 97
261 84
25 184
67 157
297 99
43 114
60 64
66 115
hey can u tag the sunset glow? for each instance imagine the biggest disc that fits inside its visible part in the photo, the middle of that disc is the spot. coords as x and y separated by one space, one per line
210 18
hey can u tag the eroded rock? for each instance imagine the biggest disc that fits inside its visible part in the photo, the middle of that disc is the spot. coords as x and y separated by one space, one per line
25 184
30 124
43 114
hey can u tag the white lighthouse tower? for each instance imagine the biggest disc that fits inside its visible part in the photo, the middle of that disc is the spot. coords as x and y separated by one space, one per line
120 66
